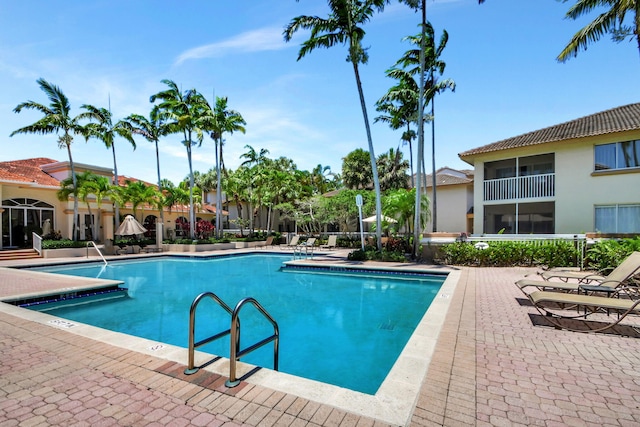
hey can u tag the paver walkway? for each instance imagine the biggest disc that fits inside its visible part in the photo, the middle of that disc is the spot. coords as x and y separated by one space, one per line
491 366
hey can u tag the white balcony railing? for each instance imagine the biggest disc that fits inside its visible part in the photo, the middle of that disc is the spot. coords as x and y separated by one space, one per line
520 187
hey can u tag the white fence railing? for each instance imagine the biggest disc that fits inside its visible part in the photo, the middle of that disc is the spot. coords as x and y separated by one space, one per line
37 243
520 187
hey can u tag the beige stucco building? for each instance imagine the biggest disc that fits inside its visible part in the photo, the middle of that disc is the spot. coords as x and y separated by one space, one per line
575 177
29 197
454 201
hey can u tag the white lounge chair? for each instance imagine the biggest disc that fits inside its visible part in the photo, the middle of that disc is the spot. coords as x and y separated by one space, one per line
331 243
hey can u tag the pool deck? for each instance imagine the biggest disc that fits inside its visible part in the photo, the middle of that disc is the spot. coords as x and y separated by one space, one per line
491 365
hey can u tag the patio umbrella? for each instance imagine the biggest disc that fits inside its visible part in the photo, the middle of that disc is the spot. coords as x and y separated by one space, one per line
130 227
383 219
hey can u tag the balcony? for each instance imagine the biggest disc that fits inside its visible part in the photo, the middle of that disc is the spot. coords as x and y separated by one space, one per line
520 187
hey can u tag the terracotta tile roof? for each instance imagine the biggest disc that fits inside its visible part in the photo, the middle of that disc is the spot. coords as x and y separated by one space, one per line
28 170
618 119
122 181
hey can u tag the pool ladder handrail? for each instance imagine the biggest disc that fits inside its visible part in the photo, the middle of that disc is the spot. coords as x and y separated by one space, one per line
235 353
91 242
191 368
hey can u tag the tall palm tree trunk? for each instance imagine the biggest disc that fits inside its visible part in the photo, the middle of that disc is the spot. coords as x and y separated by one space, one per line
161 208
372 156
410 153
218 190
74 231
116 183
434 203
416 225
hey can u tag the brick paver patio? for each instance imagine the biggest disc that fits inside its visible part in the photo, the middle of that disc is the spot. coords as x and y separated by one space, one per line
492 366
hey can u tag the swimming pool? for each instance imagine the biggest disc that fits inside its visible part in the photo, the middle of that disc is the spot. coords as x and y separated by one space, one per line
341 329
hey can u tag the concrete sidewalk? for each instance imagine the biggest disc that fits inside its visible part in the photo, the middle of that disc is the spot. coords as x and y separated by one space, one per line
492 366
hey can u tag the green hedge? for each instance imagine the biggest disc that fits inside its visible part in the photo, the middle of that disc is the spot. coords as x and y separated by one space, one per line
602 256
506 254
63 244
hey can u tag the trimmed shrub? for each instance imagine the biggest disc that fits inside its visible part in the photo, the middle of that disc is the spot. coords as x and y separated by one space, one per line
508 253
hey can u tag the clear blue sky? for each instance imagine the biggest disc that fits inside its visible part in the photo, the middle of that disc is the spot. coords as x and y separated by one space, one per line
501 55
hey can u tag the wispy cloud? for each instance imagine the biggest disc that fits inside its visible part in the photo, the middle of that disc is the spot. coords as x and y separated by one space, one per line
260 40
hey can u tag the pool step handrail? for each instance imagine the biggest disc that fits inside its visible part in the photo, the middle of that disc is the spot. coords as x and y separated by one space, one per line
191 368
91 242
236 353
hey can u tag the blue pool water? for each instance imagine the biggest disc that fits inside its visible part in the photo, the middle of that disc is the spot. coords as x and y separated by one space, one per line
341 329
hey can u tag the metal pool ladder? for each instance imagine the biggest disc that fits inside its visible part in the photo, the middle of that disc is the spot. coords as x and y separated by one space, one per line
234 353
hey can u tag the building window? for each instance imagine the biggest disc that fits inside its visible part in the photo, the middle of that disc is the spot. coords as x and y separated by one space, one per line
520 218
619 155
617 219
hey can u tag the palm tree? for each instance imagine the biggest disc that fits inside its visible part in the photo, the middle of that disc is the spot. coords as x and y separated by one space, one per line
57 119
252 160
609 21
344 26
224 120
235 185
184 110
356 170
393 170
399 204
400 105
106 131
151 129
140 194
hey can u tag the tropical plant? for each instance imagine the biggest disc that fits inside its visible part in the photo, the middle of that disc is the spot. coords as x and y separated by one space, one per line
183 111
356 170
400 108
392 170
223 120
57 119
205 181
140 194
344 26
87 184
235 185
106 131
342 209
151 129
400 205
253 160
609 21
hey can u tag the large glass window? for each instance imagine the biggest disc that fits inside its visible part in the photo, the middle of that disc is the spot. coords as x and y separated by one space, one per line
619 155
520 218
617 219
20 218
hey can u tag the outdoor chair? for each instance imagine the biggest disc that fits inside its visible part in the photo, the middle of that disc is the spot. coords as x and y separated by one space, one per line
631 262
309 243
124 251
292 243
618 276
268 242
556 306
331 243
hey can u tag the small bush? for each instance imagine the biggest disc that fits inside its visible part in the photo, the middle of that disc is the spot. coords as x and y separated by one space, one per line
371 253
606 255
